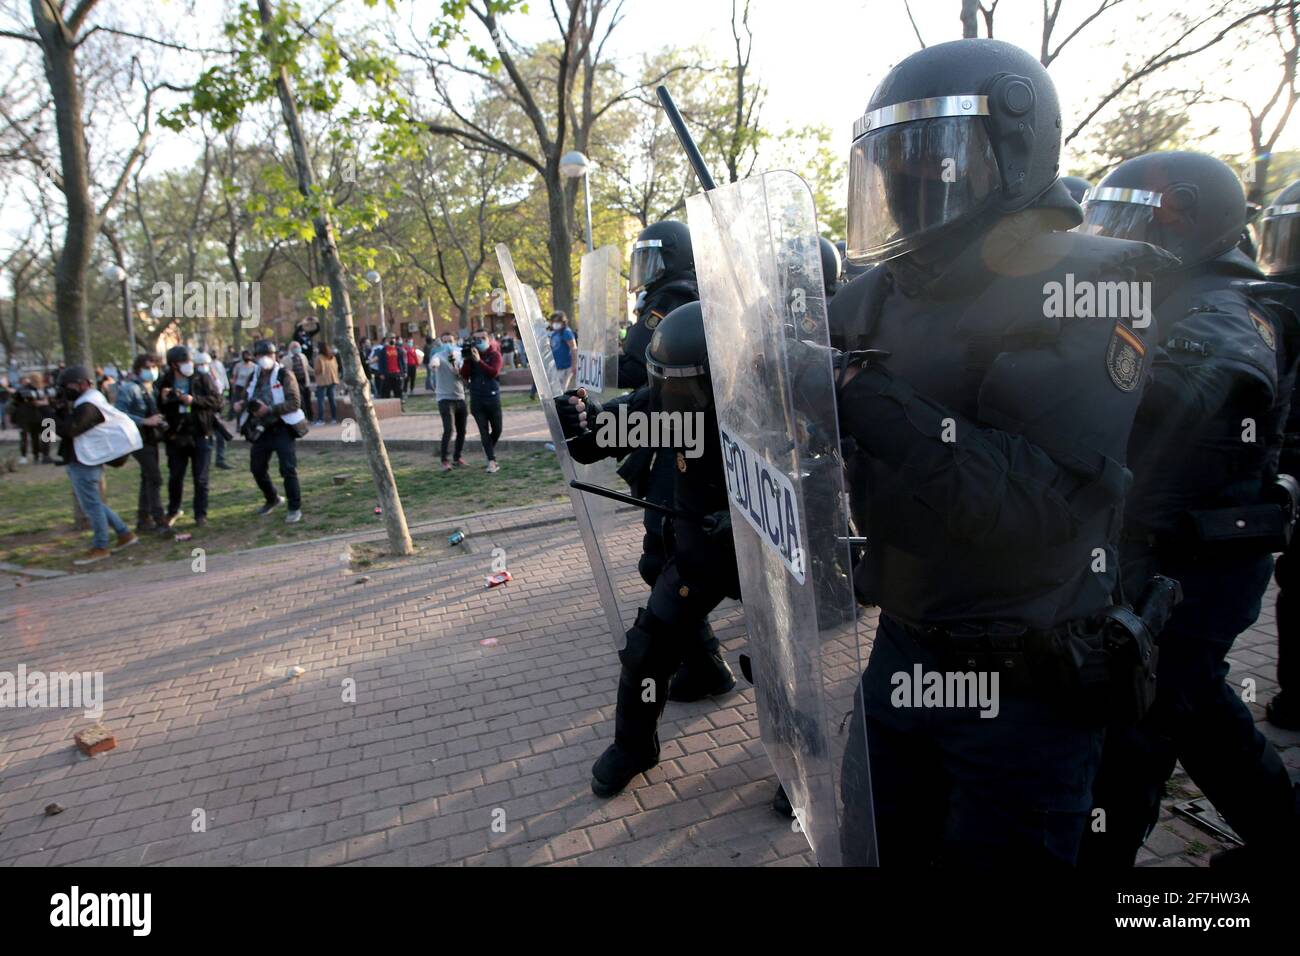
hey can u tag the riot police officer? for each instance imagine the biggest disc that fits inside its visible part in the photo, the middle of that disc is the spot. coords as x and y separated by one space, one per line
700 569
1279 259
990 423
1077 186
663 277
1203 510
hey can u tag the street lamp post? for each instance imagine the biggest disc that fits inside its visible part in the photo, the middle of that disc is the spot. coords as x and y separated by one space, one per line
572 165
116 273
374 278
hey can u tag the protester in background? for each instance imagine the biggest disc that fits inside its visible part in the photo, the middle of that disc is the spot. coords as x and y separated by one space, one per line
564 346
271 417
481 371
445 364
240 374
204 365
83 408
392 368
5 392
189 403
413 359
32 405
138 401
300 366
327 378
507 350
303 335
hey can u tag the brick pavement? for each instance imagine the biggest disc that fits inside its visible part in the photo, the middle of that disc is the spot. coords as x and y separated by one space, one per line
446 735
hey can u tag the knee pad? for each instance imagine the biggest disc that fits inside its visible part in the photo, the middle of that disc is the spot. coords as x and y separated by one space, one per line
650 644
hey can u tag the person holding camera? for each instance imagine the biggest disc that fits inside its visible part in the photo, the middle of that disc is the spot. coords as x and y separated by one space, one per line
482 365
136 399
445 364
189 402
271 417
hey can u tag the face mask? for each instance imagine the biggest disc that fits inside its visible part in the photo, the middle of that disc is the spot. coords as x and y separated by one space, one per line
187 369
203 368
556 326
480 344
266 362
148 374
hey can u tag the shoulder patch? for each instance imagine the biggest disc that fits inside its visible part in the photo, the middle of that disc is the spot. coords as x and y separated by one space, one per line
1124 356
1265 329
652 320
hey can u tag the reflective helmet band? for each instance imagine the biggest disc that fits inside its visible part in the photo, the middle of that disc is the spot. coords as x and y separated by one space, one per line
932 108
1139 197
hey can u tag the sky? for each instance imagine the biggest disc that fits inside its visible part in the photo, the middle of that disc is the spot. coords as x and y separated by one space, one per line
820 59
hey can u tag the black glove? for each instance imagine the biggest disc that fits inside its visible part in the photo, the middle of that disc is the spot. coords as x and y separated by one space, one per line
576 417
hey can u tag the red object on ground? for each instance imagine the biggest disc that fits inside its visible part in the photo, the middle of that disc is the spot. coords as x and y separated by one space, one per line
496 580
95 739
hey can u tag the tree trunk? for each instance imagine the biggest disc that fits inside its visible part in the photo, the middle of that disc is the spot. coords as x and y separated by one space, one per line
399 536
970 24
560 243
78 241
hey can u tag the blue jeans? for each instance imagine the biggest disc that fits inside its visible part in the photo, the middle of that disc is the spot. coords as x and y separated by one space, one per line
85 485
324 392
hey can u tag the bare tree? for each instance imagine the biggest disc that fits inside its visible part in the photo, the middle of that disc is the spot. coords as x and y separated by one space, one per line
60 39
1269 120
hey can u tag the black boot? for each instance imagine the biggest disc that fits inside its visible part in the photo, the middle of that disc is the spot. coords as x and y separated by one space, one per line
649 660
781 803
703 672
1284 711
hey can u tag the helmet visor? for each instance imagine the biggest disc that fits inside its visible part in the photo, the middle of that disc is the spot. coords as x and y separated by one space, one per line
647 263
1124 214
1279 240
679 388
912 179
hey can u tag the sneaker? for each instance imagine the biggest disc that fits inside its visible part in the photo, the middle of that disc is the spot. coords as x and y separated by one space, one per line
319 423
170 519
446 466
459 462
93 555
492 468
270 506
22 459
224 466
145 525
126 539
200 522
293 517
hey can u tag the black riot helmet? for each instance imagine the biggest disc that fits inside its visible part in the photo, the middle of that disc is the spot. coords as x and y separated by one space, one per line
263 347
1279 234
1188 203
662 252
178 354
677 361
954 133
1077 186
830 266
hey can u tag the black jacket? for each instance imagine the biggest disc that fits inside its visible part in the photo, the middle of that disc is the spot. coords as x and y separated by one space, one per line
185 423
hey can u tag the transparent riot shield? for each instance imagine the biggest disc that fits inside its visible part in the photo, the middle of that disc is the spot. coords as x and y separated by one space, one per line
759 271
598 518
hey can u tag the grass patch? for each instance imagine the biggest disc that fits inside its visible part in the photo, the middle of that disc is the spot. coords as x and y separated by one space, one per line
422 402
36 502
